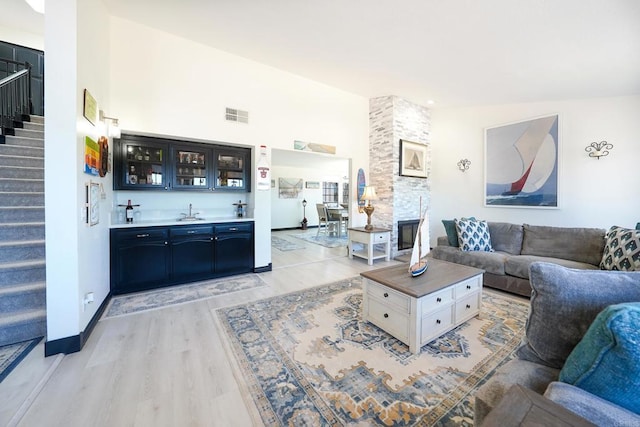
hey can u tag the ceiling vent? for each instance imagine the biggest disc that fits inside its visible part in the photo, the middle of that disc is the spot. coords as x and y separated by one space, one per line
234 115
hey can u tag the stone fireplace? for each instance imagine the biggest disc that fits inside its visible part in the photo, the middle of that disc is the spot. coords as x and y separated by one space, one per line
391 119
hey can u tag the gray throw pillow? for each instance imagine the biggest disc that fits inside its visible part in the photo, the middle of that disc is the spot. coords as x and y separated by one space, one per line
564 303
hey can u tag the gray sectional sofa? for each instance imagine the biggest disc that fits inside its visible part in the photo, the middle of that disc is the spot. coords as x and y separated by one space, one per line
517 246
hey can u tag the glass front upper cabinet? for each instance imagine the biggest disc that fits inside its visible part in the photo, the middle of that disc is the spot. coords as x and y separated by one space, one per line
231 169
144 164
191 167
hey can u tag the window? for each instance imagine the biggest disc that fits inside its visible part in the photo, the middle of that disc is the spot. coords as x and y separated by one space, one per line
345 193
329 192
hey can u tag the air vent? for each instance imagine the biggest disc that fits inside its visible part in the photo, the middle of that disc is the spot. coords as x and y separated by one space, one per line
234 115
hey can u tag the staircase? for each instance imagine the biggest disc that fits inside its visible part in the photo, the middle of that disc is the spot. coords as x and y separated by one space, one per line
22 247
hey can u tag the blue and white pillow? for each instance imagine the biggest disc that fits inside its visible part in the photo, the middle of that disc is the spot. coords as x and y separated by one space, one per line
473 235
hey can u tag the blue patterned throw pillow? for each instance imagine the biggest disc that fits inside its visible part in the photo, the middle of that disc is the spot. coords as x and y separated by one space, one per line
452 233
621 250
606 362
473 235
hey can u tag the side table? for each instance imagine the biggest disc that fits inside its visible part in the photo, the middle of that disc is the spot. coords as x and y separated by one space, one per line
523 407
370 238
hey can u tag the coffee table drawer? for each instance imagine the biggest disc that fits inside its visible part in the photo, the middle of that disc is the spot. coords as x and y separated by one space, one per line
467 306
468 286
436 323
437 300
389 297
392 321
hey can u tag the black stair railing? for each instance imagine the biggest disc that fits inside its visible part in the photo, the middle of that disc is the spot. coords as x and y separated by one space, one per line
15 95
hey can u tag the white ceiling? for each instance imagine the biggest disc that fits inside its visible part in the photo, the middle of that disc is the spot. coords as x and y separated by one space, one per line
456 52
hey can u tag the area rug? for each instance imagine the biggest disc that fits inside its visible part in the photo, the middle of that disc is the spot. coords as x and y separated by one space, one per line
308 359
284 245
11 355
322 239
140 301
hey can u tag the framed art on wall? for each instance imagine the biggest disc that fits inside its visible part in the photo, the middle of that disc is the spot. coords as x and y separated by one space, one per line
413 159
521 164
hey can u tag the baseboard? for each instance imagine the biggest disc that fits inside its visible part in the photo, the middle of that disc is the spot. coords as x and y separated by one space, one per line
263 269
75 343
293 228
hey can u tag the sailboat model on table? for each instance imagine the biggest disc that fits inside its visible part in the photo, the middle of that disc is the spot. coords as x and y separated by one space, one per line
418 264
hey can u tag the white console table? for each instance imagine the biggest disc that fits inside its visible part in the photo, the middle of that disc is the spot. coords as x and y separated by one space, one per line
370 238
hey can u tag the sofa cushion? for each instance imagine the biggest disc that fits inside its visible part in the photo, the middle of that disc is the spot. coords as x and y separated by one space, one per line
606 362
506 237
621 250
576 244
473 235
452 233
564 302
492 262
518 265
589 406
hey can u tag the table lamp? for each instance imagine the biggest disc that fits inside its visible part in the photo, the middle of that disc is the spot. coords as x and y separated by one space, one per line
368 195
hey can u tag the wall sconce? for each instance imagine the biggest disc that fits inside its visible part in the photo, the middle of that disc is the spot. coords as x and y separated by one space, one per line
114 130
598 149
368 195
464 164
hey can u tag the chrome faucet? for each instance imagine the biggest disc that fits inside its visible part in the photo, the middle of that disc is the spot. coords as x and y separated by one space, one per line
191 216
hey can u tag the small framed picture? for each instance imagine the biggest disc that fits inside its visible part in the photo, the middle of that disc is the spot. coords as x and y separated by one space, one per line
313 184
413 159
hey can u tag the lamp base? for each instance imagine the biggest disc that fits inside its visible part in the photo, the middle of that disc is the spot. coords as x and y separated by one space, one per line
368 209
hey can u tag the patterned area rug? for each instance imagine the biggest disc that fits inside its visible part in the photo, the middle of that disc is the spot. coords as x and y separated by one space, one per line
284 245
11 355
308 359
133 303
322 239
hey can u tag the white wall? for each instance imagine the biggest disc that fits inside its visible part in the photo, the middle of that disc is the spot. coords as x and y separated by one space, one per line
167 85
593 193
77 57
21 37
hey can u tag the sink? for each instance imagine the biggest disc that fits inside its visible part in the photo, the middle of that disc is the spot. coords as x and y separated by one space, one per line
190 218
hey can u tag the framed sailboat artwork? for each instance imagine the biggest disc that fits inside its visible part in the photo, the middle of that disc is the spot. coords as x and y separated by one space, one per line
413 159
521 164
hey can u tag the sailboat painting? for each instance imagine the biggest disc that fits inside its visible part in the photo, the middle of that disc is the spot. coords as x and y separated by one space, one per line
522 164
418 263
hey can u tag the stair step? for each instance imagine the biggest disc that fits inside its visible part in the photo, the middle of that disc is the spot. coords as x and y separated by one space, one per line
22 250
13 160
23 326
8 198
36 119
21 214
12 273
33 126
30 133
21 185
8 149
21 231
21 172
25 296
23 141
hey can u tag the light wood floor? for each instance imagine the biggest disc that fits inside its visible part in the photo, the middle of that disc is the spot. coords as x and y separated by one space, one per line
163 367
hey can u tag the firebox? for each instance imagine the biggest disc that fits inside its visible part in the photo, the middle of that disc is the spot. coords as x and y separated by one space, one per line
407 231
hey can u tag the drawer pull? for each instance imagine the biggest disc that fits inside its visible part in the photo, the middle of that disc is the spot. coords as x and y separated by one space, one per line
386 295
142 235
438 299
233 229
468 286
386 315
468 306
191 232
438 321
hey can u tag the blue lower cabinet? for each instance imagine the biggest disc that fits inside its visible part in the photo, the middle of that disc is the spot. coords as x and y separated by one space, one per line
152 257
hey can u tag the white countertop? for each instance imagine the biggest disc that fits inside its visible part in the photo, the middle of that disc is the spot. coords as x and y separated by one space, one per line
167 222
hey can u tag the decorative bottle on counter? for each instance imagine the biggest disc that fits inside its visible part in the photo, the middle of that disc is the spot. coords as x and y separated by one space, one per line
129 211
264 175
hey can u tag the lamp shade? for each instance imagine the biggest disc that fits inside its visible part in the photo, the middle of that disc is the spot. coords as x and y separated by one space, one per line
369 193
37 5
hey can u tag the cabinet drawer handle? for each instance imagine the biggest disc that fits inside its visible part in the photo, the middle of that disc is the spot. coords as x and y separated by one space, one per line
191 232
438 299
386 295
386 315
166 243
438 321
233 229
468 306
142 235
468 286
